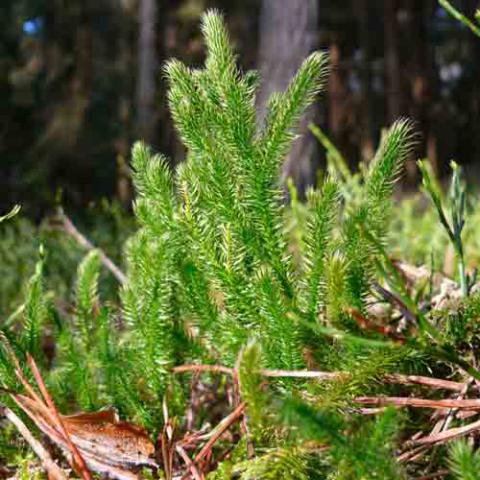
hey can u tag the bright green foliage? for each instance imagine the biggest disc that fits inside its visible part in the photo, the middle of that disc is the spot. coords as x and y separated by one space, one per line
148 298
35 310
368 453
250 384
79 373
288 464
324 208
371 211
87 287
229 206
213 277
395 147
358 449
464 462
368 207
29 321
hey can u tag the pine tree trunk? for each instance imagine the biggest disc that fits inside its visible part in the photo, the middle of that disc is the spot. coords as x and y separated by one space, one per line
392 62
125 64
366 38
422 76
147 69
288 33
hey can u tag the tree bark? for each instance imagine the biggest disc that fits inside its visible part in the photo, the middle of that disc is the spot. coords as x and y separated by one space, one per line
125 63
422 77
288 33
147 68
365 30
392 62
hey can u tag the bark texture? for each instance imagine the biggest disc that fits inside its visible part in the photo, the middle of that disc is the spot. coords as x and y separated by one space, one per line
147 68
288 34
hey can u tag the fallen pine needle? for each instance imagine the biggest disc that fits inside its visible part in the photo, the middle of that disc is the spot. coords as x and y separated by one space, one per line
395 378
472 404
448 435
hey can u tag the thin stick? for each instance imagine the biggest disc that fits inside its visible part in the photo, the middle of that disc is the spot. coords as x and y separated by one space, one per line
303 374
70 228
410 455
445 422
435 383
196 474
452 412
58 420
53 470
225 425
450 434
472 404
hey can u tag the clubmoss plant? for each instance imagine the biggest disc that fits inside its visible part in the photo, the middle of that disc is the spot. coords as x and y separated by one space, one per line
213 278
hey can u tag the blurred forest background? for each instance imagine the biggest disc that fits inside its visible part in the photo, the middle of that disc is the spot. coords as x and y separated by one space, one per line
80 80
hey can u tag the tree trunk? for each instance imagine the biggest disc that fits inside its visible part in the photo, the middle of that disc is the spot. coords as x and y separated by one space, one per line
288 34
392 62
125 63
365 35
422 77
147 69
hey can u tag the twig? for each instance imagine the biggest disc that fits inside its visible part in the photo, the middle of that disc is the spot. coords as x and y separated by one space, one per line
452 412
411 455
471 404
80 462
303 374
435 383
224 426
53 470
445 422
69 227
196 474
450 434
